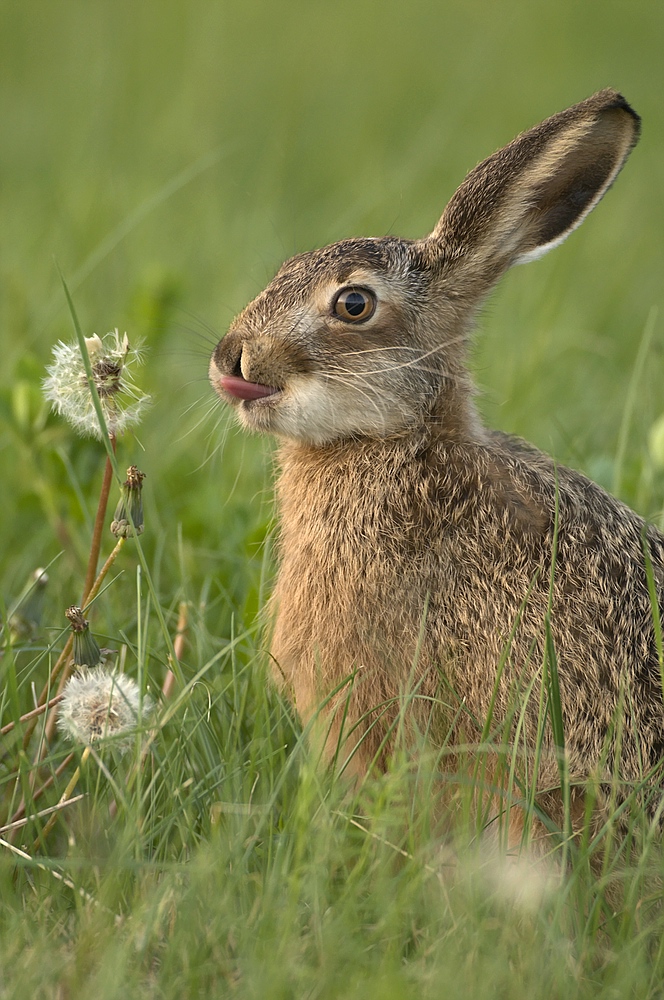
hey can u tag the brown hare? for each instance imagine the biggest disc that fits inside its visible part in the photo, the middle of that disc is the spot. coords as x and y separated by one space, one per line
417 546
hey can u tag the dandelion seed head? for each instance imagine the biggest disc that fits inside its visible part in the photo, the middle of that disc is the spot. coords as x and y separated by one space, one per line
99 703
67 390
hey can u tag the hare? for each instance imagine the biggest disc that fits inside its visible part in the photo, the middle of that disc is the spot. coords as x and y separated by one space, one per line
420 551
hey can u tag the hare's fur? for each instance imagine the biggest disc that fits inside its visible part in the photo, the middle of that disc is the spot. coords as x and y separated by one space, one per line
416 546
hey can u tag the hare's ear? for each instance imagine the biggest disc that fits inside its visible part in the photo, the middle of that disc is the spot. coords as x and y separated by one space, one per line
527 197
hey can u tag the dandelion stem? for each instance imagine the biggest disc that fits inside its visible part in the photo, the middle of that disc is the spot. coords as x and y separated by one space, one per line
178 649
71 784
59 664
42 812
31 715
40 791
100 519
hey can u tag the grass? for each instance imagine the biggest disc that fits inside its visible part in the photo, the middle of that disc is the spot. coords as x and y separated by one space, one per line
169 157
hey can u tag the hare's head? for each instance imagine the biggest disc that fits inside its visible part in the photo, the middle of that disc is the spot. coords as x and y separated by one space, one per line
367 337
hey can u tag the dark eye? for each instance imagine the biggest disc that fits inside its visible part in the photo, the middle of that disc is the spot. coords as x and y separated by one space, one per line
354 305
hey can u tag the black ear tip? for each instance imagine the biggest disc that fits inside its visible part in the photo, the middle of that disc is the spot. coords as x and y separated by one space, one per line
616 101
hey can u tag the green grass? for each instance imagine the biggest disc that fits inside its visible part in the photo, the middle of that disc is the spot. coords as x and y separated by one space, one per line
167 157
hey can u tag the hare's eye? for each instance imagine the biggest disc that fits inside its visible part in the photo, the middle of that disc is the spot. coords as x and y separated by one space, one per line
354 305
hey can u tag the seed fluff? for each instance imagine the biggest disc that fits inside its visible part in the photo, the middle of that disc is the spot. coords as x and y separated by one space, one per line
67 390
97 704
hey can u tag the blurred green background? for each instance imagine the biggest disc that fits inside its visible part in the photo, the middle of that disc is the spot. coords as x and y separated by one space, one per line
169 155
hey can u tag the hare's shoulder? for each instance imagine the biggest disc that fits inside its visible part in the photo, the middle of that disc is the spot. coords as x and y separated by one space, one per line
587 515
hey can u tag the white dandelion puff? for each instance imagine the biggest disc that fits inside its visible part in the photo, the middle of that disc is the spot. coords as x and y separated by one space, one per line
67 390
97 704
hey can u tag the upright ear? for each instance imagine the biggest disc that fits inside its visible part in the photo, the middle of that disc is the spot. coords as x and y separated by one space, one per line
527 197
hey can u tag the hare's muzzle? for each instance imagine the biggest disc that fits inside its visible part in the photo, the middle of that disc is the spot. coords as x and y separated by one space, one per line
241 389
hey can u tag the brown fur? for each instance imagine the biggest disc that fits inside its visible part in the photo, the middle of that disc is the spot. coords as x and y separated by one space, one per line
416 546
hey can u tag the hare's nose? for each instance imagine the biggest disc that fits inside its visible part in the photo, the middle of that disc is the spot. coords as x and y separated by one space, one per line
237 367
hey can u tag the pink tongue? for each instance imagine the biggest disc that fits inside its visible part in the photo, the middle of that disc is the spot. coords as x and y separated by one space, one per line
242 389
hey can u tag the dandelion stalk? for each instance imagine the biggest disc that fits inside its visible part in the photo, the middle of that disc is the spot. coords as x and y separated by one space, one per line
71 785
31 715
59 664
42 812
97 531
37 794
178 649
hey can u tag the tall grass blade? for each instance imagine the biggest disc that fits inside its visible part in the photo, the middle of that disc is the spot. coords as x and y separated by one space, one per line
630 400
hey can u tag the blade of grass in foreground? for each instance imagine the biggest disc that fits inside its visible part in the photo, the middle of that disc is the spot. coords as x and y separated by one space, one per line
630 401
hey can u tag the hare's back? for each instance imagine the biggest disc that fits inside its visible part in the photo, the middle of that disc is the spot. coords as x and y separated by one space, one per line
524 540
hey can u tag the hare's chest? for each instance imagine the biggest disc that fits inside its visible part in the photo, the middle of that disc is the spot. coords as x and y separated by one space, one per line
356 575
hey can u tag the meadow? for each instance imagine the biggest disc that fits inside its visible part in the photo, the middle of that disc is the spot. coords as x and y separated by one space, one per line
164 158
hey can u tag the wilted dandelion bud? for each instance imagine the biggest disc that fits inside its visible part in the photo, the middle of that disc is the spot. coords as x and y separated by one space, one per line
129 510
100 703
68 391
86 651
